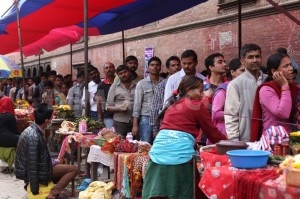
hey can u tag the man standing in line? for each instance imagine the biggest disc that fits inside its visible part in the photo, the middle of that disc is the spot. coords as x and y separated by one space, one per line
102 93
173 66
241 92
142 101
120 101
75 94
33 163
189 61
216 68
132 63
94 77
37 89
10 85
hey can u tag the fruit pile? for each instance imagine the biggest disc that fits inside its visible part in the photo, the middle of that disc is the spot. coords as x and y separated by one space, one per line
291 162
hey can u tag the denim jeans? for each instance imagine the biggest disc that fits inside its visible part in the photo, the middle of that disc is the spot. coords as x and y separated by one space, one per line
145 129
108 122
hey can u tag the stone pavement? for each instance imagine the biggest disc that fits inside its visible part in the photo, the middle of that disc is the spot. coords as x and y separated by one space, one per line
12 188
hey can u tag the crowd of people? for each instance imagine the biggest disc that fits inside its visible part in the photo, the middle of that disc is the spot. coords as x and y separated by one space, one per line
235 101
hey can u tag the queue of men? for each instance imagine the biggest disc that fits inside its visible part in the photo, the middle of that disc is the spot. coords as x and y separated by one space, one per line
129 103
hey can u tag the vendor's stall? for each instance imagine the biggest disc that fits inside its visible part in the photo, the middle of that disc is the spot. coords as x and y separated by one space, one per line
221 180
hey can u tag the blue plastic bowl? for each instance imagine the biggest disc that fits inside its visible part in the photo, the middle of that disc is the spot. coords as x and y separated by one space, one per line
248 159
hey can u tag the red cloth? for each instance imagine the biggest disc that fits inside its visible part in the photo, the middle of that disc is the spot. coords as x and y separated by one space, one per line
218 181
229 182
247 184
7 105
278 189
256 122
210 159
189 116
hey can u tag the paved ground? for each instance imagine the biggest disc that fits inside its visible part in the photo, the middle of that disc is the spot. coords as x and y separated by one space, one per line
12 188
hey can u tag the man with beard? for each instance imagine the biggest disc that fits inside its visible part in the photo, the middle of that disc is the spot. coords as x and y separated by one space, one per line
120 101
102 92
94 77
241 92
142 101
132 63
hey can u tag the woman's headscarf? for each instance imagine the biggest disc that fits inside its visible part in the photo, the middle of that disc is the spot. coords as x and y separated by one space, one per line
6 105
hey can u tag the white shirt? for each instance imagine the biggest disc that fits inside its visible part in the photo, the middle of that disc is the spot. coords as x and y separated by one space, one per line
92 91
174 81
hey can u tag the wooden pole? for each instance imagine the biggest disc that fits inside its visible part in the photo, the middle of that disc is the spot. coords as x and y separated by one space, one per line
123 46
20 42
71 59
86 59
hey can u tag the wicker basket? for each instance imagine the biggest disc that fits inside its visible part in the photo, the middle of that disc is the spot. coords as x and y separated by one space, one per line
293 177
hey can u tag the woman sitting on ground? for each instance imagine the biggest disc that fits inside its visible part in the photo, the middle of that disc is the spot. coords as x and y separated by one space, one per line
8 130
8 124
170 172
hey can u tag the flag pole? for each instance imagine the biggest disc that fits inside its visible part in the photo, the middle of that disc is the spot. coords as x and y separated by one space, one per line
20 42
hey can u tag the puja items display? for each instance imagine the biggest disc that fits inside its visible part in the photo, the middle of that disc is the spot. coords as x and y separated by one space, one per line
92 125
62 111
295 142
119 145
275 139
105 135
21 104
291 169
67 126
21 113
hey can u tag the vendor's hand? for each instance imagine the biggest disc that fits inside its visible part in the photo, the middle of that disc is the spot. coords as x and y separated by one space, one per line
135 130
124 107
279 78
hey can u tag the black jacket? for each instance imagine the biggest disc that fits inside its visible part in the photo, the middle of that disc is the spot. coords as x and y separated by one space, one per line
8 130
33 162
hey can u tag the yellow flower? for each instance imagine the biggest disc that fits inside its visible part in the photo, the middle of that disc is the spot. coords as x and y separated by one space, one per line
65 107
